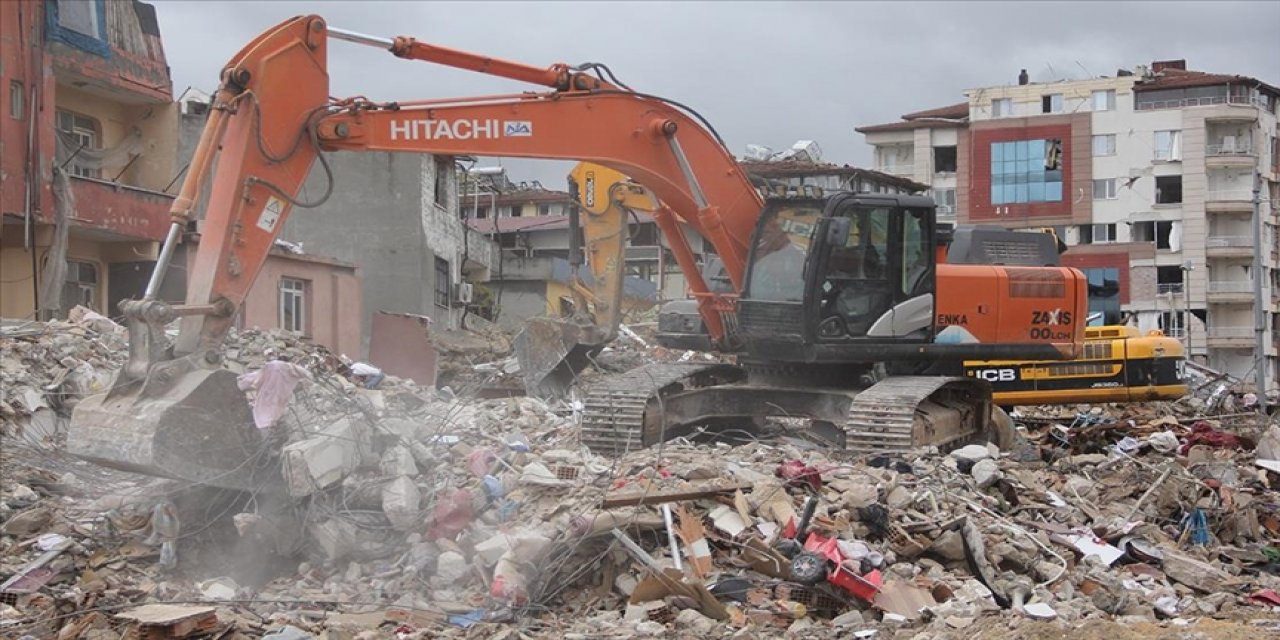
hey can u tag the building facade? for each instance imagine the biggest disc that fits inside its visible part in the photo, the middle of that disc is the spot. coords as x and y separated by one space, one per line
1149 176
88 140
924 148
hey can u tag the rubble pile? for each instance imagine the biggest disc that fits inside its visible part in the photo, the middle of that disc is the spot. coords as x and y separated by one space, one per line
413 513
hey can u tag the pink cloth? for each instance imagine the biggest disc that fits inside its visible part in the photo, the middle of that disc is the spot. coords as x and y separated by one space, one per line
273 385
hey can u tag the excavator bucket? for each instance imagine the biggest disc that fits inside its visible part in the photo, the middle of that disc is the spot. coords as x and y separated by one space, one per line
551 353
190 425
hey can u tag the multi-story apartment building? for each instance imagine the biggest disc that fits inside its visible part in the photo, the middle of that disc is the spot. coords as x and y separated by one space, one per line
923 148
1149 177
88 132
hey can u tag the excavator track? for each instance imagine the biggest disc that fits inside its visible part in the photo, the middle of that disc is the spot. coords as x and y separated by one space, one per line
613 416
904 412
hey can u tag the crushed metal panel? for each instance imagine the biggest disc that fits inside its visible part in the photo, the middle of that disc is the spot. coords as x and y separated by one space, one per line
400 345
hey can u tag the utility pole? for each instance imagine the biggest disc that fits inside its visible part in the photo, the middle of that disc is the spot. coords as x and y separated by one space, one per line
1259 311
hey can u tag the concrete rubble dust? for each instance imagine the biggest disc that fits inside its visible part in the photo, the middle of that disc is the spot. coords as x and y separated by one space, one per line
407 512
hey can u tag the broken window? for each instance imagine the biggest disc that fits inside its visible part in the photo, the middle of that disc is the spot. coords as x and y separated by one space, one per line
1169 279
80 16
1173 323
1104 189
1168 145
1051 103
1104 100
80 132
16 99
944 159
1161 233
1097 233
293 305
80 286
1104 145
1168 189
442 282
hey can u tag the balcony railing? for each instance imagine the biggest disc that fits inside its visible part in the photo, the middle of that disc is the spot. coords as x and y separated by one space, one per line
1200 102
945 210
1230 148
898 169
1175 332
1218 242
1231 332
1230 286
1169 287
1229 195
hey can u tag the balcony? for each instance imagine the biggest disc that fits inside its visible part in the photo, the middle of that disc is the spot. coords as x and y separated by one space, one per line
1169 288
1230 291
122 211
1229 246
1231 336
1239 200
1230 153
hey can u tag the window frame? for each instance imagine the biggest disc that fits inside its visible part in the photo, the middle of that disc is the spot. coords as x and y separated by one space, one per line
293 292
443 289
1109 149
997 112
1111 190
17 99
1109 102
81 125
1174 151
1052 103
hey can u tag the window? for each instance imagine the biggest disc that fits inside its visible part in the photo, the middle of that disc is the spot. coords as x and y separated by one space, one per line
482 211
1051 103
1104 189
1168 189
1097 233
80 286
1001 107
1026 171
1161 233
444 176
1169 279
17 99
1104 294
442 282
1168 145
1173 323
944 159
1104 145
80 16
293 305
514 211
79 132
1104 100
544 209
945 199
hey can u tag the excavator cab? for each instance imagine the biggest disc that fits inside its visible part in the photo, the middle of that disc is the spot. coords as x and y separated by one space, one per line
828 277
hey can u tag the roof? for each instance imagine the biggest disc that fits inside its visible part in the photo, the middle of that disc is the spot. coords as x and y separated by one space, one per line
531 223
952 115
526 196
1180 79
955 111
794 168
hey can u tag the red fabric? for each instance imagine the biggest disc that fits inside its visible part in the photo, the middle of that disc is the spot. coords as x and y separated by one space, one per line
452 514
1202 433
799 474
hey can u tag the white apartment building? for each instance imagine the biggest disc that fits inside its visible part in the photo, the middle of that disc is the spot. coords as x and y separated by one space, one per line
1148 176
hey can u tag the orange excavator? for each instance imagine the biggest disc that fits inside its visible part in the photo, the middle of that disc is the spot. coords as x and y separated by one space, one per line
836 309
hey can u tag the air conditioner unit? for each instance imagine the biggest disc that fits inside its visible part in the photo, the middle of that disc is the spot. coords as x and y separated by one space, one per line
462 293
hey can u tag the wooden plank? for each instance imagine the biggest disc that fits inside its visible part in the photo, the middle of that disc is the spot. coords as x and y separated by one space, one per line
677 495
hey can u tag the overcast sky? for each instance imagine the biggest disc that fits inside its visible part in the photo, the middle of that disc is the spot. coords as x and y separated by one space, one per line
763 73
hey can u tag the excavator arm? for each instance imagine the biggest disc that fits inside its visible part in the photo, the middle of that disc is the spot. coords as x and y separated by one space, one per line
271 118
551 351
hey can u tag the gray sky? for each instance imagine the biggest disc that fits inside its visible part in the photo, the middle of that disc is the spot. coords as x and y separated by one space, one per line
763 73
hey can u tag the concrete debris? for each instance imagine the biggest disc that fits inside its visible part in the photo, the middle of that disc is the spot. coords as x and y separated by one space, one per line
432 514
